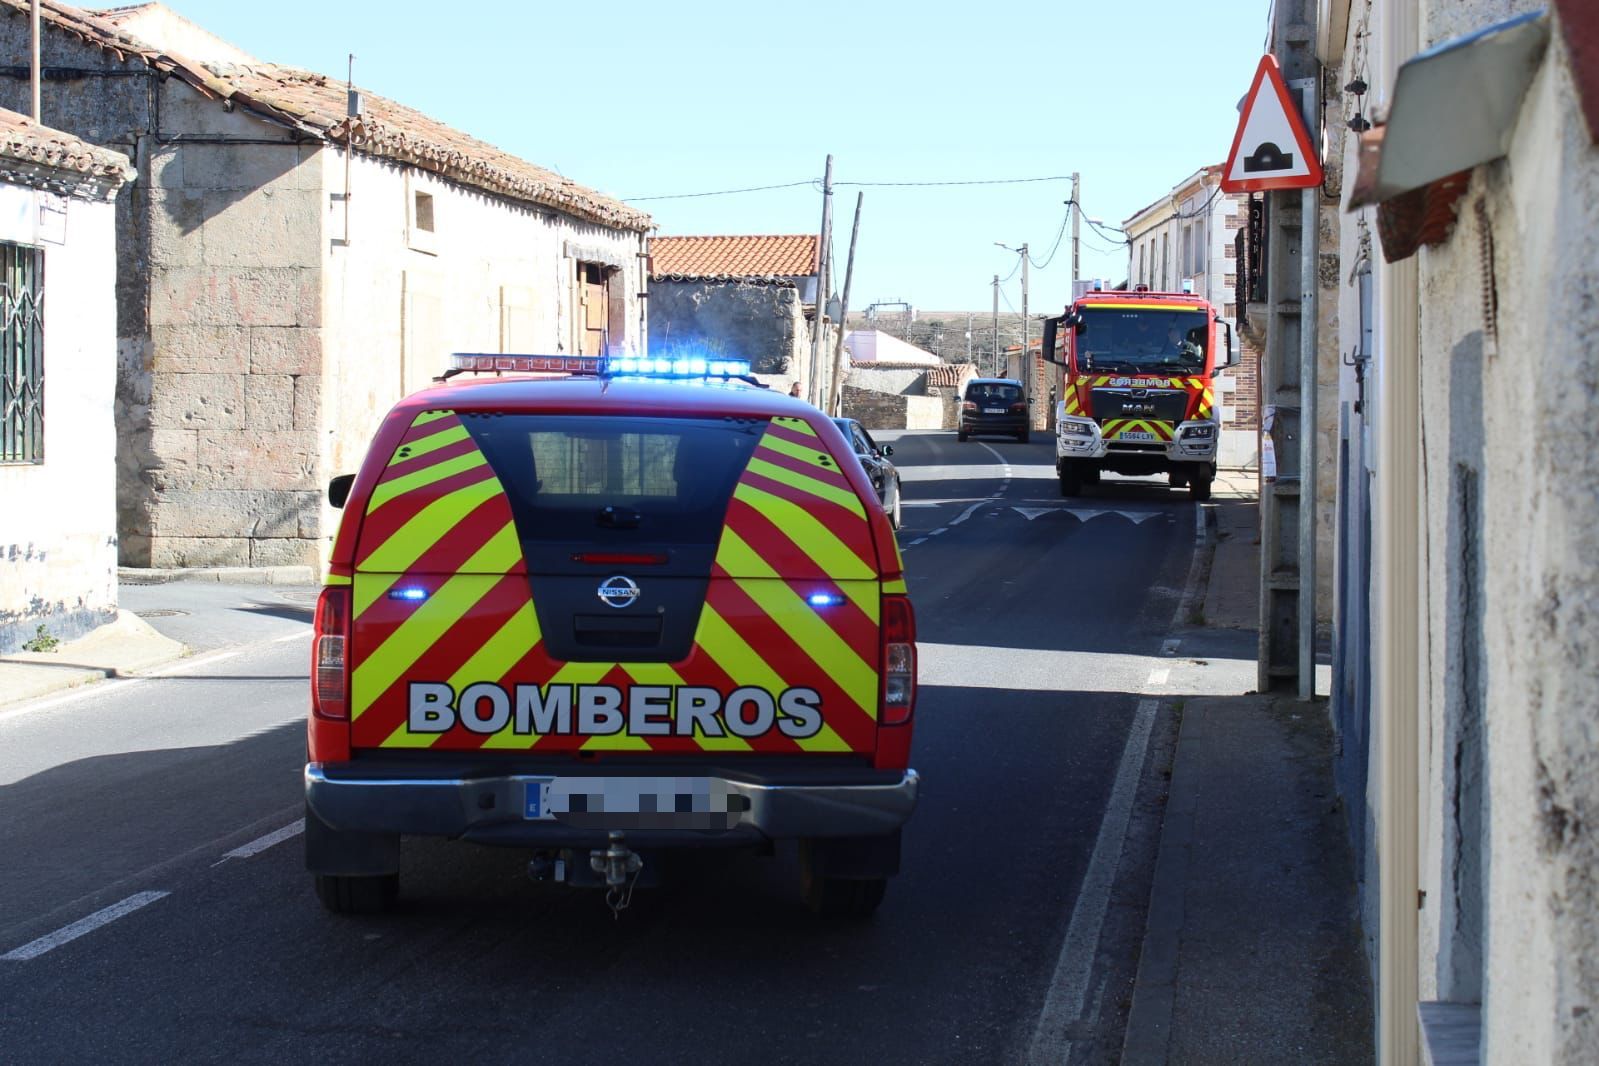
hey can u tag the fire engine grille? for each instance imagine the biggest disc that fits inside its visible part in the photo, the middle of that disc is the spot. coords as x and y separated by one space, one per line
1163 405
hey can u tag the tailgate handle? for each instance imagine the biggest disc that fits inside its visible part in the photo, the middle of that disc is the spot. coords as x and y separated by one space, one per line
609 631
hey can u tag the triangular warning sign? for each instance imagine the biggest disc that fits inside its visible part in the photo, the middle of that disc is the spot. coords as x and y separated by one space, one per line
1271 149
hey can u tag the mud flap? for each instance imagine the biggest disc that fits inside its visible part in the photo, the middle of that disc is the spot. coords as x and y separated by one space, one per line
329 851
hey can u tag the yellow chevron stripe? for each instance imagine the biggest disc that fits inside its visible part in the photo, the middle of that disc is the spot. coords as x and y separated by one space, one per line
431 443
812 454
737 556
739 661
568 674
427 475
820 641
408 543
814 486
807 532
434 617
663 674
429 416
336 580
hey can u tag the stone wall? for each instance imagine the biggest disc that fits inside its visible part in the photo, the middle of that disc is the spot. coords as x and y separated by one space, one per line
887 410
59 545
759 321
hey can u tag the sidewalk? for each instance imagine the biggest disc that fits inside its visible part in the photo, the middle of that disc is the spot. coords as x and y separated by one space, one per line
116 649
1252 952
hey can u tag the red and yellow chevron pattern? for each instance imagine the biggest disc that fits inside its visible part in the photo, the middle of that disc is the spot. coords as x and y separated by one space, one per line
794 528
1124 428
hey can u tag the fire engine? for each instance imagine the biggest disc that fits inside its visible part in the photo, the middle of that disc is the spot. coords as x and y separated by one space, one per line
1137 389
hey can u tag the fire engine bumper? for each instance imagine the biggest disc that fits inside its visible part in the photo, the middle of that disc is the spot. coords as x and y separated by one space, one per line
537 810
1080 438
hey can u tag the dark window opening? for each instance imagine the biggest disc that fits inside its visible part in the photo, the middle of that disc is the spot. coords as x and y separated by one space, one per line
21 354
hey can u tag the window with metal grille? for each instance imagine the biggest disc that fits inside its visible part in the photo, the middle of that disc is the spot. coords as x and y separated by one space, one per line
21 353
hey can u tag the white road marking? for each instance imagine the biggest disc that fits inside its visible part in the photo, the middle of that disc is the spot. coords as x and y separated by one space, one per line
968 512
918 540
81 927
1158 678
1031 513
260 844
1068 988
292 636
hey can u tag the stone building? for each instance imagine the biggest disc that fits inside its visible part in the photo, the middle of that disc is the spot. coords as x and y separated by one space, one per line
1467 619
291 261
747 297
58 550
1185 241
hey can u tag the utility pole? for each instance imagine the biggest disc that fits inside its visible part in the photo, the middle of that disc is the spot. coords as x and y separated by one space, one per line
835 386
1077 216
813 391
996 325
968 336
1027 357
33 71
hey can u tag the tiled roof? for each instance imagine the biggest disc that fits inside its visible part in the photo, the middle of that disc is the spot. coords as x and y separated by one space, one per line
757 256
315 105
25 141
950 374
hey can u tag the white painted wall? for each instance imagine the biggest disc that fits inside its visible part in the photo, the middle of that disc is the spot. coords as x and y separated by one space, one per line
58 548
494 276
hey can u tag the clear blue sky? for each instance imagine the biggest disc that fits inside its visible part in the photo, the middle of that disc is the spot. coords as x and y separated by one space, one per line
652 99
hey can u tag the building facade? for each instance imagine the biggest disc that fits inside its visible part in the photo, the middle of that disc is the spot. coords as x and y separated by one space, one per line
1186 241
1467 614
58 360
295 259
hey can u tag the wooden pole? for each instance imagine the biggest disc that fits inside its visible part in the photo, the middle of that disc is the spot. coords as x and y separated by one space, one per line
836 385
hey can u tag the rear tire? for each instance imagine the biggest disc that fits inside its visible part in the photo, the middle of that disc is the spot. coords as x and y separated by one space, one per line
358 895
843 897
1023 437
1199 488
960 435
1179 481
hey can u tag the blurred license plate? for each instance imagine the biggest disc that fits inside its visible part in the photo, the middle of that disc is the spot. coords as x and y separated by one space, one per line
1138 435
993 410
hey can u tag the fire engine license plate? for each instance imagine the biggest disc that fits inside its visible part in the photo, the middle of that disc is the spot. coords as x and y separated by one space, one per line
536 806
993 410
1137 435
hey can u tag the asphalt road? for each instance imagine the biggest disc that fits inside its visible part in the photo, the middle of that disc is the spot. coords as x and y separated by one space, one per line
156 821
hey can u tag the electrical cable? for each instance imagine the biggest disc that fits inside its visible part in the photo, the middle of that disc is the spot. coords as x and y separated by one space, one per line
933 184
1059 236
719 192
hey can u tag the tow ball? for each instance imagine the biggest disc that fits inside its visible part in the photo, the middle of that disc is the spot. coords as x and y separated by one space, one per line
619 865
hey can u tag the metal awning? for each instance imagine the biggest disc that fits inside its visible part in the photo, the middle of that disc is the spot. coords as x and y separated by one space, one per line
1454 106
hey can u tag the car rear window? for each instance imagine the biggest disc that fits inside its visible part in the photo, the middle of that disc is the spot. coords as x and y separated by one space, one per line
994 393
585 478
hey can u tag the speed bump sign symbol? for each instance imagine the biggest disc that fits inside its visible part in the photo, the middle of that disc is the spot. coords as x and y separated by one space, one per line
1271 149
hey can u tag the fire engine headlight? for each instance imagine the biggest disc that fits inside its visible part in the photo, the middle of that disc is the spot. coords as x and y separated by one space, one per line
1199 432
1078 429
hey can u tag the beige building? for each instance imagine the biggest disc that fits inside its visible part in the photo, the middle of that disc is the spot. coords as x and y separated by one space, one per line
293 259
58 554
1187 241
1467 619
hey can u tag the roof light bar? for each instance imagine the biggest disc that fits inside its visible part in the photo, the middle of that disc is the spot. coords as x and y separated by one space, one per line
679 367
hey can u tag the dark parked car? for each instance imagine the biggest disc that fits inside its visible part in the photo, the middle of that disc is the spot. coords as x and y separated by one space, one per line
874 457
993 405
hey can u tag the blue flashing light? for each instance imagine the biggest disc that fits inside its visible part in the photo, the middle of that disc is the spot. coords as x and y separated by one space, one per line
824 599
675 366
409 593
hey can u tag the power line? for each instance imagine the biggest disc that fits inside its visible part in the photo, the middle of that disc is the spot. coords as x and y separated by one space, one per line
981 181
719 192
1050 258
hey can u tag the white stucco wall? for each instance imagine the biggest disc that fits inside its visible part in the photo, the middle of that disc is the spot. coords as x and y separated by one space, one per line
494 276
58 548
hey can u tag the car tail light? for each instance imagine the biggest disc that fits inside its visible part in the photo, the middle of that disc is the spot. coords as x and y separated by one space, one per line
969 405
1018 408
330 638
898 636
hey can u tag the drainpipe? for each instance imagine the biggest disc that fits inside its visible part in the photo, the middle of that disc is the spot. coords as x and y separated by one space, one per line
1398 621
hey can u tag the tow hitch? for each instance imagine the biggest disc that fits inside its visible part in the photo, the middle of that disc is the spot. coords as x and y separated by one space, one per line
615 867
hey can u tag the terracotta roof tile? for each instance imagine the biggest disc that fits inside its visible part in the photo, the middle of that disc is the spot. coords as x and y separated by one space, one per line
755 256
26 141
315 105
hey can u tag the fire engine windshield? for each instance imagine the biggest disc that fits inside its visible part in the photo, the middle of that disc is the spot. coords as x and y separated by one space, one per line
1141 339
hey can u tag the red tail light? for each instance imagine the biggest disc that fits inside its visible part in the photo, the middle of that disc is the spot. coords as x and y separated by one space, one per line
1017 408
330 639
898 636
969 405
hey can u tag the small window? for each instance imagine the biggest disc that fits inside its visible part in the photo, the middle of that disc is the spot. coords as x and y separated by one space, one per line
21 354
421 232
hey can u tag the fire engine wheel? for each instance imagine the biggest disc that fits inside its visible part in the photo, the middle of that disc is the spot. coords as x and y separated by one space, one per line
1179 481
358 895
1071 481
1199 488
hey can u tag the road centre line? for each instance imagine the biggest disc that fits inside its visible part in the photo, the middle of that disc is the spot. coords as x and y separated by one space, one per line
83 926
260 844
1069 987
